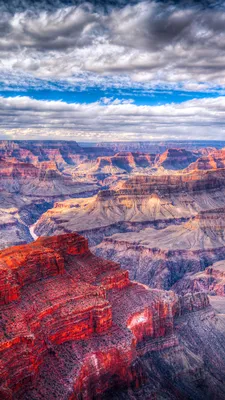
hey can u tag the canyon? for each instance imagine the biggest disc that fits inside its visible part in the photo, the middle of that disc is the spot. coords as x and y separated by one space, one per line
35 175
142 210
139 311
73 326
159 227
31 179
162 228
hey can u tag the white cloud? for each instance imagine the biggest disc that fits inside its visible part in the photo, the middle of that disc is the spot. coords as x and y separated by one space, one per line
23 117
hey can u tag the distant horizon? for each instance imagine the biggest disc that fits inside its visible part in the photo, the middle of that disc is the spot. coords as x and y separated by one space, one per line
116 141
112 141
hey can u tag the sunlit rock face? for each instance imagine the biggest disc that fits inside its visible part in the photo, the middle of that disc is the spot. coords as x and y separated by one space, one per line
176 159
63 153
160 228
140 200
38 180
73 326
26 191
163 257
213 160
123 162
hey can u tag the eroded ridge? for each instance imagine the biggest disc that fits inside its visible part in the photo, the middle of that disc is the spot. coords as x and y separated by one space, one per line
73 324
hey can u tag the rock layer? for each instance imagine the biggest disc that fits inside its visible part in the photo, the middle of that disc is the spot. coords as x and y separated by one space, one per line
163 257
140 199
211 280
79 328
176 159
214 160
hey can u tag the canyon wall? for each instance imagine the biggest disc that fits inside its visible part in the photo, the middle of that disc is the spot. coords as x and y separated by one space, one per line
74 326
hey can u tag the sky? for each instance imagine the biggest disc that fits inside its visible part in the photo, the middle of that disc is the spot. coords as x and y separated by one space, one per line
112 70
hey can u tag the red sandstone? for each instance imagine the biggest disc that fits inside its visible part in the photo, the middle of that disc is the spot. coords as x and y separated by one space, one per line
58 298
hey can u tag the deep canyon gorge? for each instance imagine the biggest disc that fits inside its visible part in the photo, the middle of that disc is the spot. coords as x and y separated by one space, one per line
112 270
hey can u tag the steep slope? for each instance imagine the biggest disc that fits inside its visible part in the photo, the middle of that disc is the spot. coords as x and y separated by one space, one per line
74 326
123 162
211 280
42 179
28 190
140 201
163 257
63 153
137 162
176 159
214 160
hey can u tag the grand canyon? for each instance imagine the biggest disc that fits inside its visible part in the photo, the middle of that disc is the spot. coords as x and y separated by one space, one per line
112 200
112 271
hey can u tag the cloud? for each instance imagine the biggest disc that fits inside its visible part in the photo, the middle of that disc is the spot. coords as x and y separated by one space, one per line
109 119
147 43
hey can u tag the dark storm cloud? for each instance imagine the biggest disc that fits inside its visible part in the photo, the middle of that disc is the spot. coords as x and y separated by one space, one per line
21 5
176 43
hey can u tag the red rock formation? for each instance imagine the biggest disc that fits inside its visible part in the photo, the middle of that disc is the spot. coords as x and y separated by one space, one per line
11 168
213 160
129 161
55 295
120 163
211 280
175 159
22 265
195 181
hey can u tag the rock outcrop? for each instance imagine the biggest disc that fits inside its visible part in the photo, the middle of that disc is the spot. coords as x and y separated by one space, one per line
120 163
176 159
74 326
26 191
40 180
163 257
211 281
139 200
63 153
213 160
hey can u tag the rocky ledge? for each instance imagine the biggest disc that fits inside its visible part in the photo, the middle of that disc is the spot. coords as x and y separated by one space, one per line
211 281
140 199
73 326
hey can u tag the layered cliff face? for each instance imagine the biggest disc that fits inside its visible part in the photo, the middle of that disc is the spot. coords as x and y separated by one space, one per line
176 159
160 228
74 326
139 201
26 191
213 160
63 153
137 162
163 257
123 162
211 281
42 179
